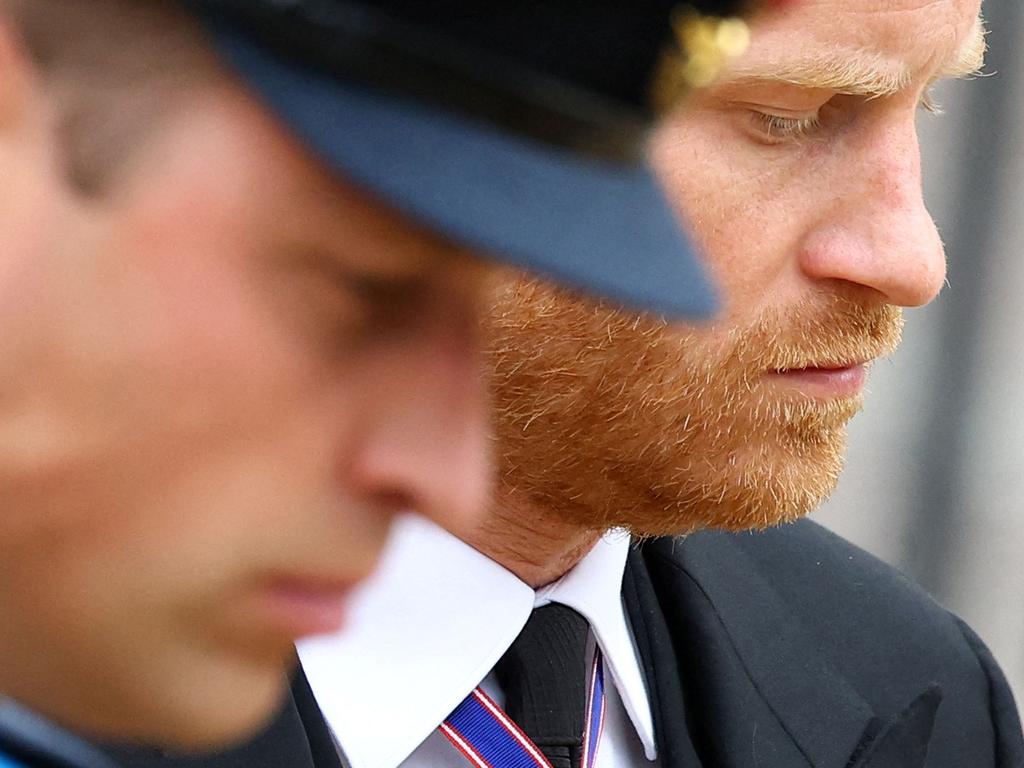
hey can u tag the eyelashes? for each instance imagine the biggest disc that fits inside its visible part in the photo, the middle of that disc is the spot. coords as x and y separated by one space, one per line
777 128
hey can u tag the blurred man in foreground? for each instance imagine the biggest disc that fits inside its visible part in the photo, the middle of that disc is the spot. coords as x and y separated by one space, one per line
705 645
239 303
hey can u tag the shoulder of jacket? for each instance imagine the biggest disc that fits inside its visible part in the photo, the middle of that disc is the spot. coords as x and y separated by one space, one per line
885 634
802 559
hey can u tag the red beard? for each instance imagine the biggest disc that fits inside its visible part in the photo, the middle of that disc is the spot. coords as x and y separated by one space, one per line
609 419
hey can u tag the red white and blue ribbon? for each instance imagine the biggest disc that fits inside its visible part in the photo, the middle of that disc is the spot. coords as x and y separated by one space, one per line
594 722
489 738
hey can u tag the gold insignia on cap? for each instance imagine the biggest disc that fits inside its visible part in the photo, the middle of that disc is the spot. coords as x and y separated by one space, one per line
704 44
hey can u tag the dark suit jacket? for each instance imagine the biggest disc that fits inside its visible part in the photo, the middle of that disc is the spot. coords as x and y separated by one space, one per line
785 649
794 648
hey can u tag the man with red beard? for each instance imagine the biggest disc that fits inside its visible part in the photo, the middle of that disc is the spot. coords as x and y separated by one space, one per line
704 644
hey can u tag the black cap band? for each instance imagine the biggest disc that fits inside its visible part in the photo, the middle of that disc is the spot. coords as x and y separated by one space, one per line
359 43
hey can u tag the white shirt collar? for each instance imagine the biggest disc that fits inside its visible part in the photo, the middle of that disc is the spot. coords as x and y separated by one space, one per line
594 589
431 624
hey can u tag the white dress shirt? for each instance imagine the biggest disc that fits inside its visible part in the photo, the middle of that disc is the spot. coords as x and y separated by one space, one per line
429 628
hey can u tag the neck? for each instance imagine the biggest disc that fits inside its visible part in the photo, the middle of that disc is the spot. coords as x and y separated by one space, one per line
530 540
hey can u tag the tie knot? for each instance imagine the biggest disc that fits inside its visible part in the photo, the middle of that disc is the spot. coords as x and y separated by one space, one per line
544 678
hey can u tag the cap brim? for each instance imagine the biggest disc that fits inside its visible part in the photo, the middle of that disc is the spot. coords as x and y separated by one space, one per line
605 229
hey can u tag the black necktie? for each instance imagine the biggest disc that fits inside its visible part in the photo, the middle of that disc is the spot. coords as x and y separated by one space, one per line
544 677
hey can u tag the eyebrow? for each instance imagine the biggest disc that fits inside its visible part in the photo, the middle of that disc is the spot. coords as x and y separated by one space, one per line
860 72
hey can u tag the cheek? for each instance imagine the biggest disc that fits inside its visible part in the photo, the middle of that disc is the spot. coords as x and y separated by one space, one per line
31 202
747 206
184 416
214 352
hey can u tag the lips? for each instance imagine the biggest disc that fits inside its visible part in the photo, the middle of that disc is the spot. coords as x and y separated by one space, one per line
825 381
304 605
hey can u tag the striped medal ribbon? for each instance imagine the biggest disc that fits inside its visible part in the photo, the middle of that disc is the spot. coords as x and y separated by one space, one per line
489 738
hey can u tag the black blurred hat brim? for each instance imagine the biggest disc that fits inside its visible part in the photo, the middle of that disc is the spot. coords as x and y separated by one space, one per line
598 227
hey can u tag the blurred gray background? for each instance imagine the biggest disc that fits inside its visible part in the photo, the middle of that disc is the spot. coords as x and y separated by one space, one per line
934 482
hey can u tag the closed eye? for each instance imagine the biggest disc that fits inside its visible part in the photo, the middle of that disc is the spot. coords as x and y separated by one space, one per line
779 128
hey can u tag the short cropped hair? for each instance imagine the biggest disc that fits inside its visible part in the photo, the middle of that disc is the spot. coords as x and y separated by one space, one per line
113 68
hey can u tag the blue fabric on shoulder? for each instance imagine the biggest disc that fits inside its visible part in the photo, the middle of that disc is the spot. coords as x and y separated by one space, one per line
8 762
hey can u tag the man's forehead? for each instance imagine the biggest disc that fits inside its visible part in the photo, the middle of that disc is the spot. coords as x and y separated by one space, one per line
864 48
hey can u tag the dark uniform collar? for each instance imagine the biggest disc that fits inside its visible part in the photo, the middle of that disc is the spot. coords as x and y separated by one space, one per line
31 741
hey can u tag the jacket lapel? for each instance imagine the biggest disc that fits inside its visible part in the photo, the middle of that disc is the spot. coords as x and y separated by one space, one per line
322 746
664 688
757 691
903 741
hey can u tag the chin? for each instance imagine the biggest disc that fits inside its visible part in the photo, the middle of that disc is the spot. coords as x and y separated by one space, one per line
224 729
212 711
763 490
732 510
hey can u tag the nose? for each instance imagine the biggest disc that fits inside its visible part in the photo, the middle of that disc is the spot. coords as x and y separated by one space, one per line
425 445
877 232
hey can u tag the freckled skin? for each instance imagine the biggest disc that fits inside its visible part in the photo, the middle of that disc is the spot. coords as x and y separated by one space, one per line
843 204
809 208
